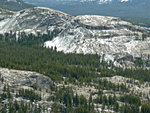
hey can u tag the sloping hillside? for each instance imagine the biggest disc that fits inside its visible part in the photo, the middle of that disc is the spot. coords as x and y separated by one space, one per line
33 20
108 36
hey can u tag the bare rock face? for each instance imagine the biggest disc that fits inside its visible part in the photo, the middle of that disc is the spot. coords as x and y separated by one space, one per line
34 20
4 13
106 36
21 79
109 37
36 83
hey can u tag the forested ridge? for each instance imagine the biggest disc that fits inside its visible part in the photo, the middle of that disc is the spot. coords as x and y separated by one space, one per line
28 53
57 64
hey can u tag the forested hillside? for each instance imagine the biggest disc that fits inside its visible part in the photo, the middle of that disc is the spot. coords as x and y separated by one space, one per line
82 83
53 62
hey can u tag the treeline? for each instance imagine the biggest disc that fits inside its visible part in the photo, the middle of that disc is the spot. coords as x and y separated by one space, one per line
29 95
131 99
6 93
21 107
107 102
145 108
48 62
106 85
34 40
26 53
73 103
141 74
8 105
